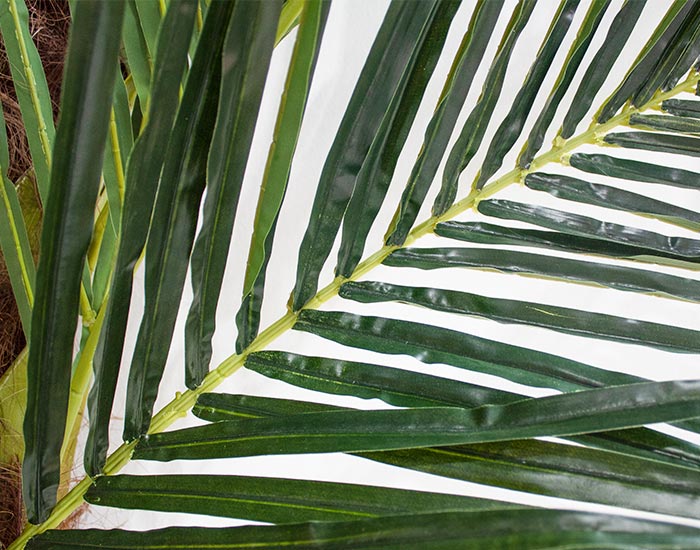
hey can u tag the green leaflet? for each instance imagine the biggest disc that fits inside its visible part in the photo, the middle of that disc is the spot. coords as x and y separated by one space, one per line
352 430
478 232
105 262
573 189
408 389
14 239
555 469
648 141
571 63
215 407
635 170
279 161
174 221
572 321
149 14
512 125
646 61
673 60
510 261
272 499
374 177
395 386
616 38
685 60
69 215
682 107
563 471
119 145
432 345
142 175
399 34
137 55
474 128
684 125
249 40
508 530
30 86
442 123
574 224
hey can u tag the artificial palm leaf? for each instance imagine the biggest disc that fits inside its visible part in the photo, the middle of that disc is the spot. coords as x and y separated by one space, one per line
217 109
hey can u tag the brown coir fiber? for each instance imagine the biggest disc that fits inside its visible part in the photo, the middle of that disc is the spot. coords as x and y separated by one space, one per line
49 21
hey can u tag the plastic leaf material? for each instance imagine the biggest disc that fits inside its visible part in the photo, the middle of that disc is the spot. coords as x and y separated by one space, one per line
68 226
573 60
635 170
647 60
573 189
474 128
245 61
649 141
573 413
30 86
512 125
174 221
572 321
654 243
437 135
542 467
616 38
137 55
682 107
511 529
683 125
142 176
549 267
273 499
378 168
14 239
401 31
279 161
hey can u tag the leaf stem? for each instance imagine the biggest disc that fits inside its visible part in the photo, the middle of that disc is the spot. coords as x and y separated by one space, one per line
184 401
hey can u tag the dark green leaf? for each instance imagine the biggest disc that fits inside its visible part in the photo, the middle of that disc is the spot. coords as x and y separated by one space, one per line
648 141
400 33
635 170
486 233
573 189
599 69
249 40
555 469
432 345
398 387
441 125
512 125
174 221
673 62
474 128
647 60
571 321
571 63
507 530
679 124
273 187
563 471
142 176
510 261
574 224
374 177
272 499
682 107
80 141
353 431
